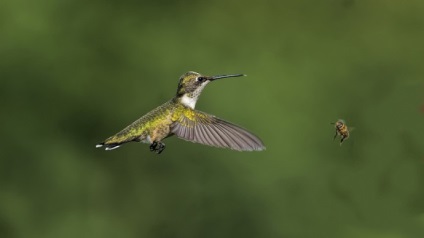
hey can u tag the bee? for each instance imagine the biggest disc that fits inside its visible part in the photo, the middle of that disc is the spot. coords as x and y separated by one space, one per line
341 130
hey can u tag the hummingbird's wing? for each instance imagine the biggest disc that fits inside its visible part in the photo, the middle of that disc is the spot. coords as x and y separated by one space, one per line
200 127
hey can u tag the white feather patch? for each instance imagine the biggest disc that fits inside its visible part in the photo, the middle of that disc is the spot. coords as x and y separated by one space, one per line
112 148
188 101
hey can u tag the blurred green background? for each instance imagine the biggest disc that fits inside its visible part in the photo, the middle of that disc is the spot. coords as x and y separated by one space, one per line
75 72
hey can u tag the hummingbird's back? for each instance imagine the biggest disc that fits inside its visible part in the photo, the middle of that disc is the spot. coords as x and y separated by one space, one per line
141 129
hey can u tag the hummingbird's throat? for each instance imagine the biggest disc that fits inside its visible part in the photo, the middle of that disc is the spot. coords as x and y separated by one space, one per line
190 99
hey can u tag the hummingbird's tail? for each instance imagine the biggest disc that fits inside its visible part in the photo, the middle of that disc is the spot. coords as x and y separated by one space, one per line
117 140
108 146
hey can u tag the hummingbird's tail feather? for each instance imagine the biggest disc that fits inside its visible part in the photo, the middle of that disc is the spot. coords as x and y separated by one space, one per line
100 145
108 146
112 147
118 139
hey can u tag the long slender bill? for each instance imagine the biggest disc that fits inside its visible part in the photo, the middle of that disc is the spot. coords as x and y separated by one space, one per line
212 78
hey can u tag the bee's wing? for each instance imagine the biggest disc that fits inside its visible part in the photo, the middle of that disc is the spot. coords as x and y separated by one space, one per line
200 127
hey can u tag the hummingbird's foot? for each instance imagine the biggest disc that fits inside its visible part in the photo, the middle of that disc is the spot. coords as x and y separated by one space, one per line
157 147
153 146
160 148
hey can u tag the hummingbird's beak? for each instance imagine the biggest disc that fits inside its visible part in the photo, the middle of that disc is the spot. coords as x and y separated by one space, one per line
212 78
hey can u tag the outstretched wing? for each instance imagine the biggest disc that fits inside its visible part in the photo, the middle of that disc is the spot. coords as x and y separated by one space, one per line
200 127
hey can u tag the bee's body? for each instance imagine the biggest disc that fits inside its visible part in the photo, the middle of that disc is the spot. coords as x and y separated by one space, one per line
178 116
341 130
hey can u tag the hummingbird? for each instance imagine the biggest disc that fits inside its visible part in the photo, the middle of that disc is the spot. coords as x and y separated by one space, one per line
178 117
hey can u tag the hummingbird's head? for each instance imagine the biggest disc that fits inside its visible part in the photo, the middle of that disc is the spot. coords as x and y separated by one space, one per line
191 85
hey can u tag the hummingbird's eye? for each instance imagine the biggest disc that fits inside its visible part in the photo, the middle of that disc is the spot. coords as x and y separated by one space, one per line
201 79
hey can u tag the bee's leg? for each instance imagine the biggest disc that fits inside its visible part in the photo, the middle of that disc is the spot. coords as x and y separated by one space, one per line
343 137
335 135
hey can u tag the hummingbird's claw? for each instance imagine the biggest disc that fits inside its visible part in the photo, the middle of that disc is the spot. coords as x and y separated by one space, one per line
153 146
160 148
157 147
